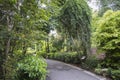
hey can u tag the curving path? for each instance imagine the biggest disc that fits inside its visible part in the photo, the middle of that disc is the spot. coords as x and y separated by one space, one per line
62 71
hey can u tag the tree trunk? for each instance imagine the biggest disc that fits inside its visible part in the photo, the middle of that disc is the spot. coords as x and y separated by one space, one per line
47 47
1 63
7 46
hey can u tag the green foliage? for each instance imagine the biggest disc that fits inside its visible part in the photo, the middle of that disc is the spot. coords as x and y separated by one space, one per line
75 17
104 72
68 57
108 38
30 68
22 24
115 74
90 63
24 67
108 72
57 45
94 23
59 2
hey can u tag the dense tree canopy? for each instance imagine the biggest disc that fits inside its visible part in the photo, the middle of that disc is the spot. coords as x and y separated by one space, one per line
75 17
22 24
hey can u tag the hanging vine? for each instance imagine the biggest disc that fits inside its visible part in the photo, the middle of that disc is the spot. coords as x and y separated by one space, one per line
75 17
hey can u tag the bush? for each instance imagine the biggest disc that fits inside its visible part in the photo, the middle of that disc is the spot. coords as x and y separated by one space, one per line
90 63
108 72
105 71
115 74
65 57
108 38
31 68
25 67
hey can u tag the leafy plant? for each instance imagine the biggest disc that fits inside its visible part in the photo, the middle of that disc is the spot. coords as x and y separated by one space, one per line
68 57
31 68
108 38
115 74
90 63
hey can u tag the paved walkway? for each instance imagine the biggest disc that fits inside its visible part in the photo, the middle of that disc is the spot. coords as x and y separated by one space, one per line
62 71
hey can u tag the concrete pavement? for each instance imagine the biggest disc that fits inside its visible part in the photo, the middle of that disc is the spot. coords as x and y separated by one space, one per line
62 71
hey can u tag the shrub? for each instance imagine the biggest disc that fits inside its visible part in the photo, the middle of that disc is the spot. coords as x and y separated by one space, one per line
10 67
108 72
25 67
108 38
65 57
115 74
105 71
90 63
31 68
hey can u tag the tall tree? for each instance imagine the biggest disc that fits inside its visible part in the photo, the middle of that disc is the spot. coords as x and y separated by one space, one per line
75 17
21 25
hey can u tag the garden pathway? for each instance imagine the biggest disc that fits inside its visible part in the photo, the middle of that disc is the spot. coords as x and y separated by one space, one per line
61 71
